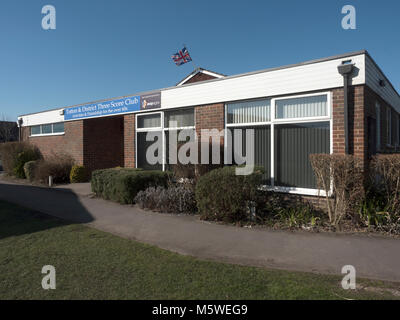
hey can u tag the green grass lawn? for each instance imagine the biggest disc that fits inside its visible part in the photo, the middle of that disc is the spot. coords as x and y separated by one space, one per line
91 264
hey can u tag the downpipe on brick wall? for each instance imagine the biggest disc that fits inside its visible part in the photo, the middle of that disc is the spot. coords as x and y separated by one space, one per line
345 69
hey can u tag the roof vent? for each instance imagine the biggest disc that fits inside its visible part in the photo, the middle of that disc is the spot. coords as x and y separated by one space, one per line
382 83
62 112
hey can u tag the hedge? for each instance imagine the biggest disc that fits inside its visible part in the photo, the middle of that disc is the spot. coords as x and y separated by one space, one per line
78 174
221 195
122 184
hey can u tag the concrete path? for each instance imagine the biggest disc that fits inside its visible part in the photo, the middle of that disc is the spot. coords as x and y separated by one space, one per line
373 257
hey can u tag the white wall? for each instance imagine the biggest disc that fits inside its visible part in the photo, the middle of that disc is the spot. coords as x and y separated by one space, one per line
42 118
316 76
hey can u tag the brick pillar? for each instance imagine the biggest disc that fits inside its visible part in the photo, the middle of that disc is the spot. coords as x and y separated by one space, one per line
210 117
129 141
357 122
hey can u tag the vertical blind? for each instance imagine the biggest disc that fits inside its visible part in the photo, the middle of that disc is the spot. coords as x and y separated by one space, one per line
315 106
183 118
262 148
149 121
293 145
142 146
249 112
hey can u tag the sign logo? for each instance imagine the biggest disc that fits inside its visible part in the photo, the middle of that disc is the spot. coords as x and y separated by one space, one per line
150 101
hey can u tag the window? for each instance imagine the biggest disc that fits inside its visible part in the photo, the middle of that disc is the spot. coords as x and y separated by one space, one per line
47 129
389 126
286 132
293 145
249 112
182 118
378 126
35 130
262 148
149 121
58 127
305 107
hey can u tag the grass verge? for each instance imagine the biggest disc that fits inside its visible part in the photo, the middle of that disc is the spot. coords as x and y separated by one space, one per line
91 264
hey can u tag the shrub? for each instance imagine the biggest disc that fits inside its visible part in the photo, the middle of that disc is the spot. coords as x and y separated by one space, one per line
57 165
78 174
14 155
221 195
122 185
344 173
174 199
29 169
385 171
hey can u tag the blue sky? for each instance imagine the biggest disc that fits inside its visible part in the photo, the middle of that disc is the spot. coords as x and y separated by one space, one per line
104 49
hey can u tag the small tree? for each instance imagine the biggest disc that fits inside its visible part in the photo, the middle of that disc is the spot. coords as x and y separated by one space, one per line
342 179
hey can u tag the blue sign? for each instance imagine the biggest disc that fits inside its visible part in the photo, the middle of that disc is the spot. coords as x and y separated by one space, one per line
105 108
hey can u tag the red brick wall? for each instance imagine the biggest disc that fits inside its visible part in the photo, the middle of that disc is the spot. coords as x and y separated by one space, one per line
103 143
129 140
95 143
210 117
71 142
357 122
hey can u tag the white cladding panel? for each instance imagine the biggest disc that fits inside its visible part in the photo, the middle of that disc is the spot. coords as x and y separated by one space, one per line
373 75
316 76
52 116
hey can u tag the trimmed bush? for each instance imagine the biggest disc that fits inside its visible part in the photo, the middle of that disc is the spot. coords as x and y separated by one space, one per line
174 199
29 169
14 155
78 174
122 185
58 166
221 195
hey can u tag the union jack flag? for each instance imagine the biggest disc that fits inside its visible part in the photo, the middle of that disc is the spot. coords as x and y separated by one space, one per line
181 57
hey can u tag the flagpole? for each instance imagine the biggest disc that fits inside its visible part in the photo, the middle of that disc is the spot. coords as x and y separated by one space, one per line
195 67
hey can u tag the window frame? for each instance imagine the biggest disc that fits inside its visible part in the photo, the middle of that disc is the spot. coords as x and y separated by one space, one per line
248 123
46 134
163 130
328 118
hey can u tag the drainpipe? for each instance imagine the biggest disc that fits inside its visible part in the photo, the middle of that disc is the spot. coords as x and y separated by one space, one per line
345 69
19 129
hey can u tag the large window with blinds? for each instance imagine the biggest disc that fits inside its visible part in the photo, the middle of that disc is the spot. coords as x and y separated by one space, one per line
286 131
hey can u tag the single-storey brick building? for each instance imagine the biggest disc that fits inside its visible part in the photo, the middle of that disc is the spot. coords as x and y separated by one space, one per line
341 104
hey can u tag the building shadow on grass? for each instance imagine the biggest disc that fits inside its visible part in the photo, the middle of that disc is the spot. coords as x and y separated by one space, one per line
26 209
